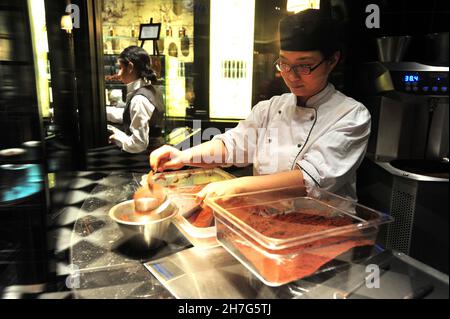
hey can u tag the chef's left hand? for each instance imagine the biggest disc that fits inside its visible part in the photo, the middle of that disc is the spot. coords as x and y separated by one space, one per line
223 188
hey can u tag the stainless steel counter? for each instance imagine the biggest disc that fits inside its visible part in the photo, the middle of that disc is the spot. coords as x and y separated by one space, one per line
104 266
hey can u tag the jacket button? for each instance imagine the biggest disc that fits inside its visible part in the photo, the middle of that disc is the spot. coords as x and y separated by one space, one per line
312 118
299 145
279 112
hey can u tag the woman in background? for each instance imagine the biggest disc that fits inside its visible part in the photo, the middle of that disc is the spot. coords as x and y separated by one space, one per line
143 115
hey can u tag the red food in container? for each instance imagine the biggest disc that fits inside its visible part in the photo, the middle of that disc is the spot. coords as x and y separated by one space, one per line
196 223
202 218
282 237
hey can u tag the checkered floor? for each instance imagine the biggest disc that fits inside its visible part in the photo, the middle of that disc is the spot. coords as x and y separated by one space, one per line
111 158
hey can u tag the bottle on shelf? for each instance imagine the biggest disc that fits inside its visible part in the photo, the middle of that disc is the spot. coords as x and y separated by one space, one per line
182 32
169 31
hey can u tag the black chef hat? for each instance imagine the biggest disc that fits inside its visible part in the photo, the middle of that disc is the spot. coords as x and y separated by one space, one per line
309 30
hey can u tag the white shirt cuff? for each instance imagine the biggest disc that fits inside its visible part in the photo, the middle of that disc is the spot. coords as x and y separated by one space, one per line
310 176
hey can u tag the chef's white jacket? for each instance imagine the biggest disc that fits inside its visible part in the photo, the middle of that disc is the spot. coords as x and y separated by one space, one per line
141 110
326 139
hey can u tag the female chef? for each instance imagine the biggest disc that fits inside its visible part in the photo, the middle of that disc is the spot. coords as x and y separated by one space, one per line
314 136
143 115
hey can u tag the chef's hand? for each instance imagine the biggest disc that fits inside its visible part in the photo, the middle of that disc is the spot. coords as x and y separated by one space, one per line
223 188
167 157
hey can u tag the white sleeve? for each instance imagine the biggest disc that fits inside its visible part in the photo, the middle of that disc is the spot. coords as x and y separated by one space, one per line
337 154
114 114
141 111
241 142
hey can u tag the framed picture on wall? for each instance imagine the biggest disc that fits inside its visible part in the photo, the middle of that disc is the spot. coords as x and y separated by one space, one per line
150 31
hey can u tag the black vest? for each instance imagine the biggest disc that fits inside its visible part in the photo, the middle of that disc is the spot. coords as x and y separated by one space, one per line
156 122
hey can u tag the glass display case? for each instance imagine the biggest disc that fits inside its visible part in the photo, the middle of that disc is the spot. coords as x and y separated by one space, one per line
216 58
121 23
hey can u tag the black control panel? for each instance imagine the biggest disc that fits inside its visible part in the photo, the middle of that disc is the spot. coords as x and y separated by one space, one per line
421 82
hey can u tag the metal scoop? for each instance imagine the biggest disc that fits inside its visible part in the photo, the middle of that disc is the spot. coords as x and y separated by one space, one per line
148 198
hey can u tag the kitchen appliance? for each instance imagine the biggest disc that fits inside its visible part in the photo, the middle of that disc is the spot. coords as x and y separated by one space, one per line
406 170
392 49
409 106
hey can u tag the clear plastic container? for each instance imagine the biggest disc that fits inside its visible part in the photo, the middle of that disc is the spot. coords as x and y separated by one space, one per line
284 235
199 235
189 181
183 185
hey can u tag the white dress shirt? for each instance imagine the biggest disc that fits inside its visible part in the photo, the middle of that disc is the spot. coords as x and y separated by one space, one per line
141 110
326 139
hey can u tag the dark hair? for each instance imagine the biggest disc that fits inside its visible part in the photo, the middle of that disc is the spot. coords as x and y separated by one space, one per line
141 61
309 30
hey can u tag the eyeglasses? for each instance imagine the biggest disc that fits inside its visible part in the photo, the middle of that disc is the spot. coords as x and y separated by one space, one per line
298 69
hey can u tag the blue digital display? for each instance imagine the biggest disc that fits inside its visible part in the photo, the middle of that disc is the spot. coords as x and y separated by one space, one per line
411 78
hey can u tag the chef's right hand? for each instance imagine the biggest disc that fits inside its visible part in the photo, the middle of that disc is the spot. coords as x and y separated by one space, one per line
167 157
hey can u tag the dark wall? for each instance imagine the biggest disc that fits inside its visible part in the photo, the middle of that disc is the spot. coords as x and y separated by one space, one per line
268 13
201 53
77 82
398 17
67 142
23 194
89 69
19 113
266 49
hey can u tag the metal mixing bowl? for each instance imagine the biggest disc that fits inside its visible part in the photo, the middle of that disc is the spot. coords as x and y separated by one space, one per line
143 231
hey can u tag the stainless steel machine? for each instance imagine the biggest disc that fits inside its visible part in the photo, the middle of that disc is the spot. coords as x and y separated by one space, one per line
409 106
406 171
